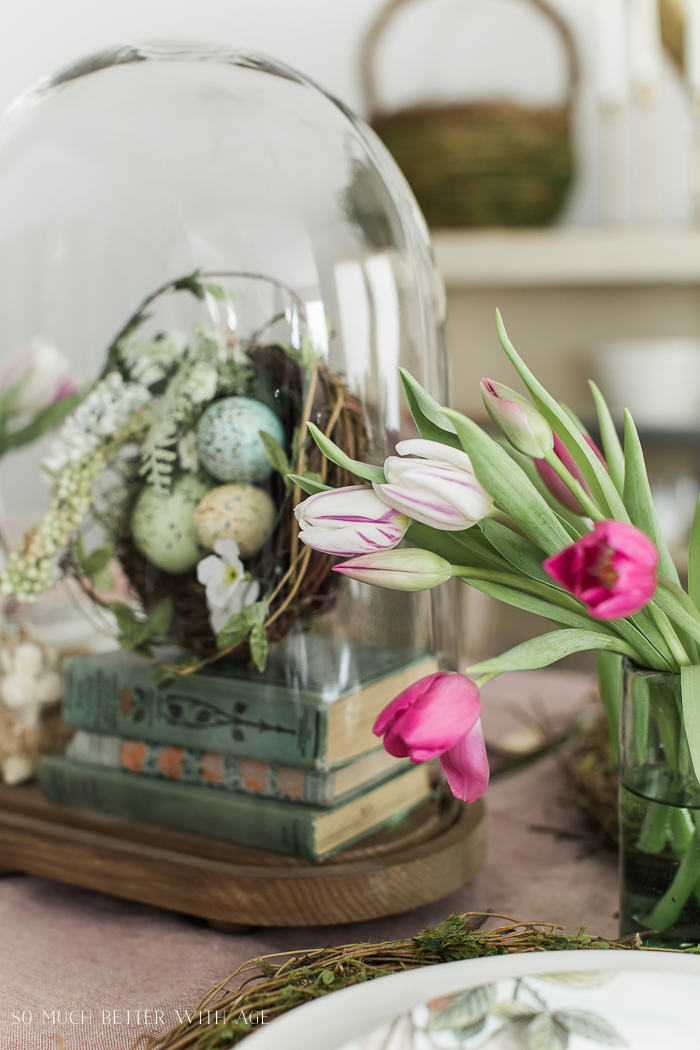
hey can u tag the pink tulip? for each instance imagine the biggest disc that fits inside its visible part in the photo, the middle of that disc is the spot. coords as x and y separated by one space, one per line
612 569
554 483
44 375
350 520
439 715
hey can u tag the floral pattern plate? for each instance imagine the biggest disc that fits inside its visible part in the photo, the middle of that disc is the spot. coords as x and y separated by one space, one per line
536 1001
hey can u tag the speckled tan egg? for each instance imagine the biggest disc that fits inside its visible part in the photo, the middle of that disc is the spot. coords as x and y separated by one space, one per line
243 513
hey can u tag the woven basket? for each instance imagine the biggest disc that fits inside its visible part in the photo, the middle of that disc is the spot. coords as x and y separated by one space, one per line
494 163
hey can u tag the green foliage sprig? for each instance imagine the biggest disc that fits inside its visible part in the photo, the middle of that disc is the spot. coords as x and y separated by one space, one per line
285 980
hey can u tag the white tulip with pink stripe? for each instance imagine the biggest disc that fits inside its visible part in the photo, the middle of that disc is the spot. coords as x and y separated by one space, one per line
349 521
438 488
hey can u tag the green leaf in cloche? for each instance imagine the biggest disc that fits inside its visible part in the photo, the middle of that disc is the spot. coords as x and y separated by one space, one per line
276 456
95 563
160 618
259 646
191 283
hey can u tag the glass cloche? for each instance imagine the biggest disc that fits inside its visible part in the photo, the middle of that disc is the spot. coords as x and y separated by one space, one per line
228 251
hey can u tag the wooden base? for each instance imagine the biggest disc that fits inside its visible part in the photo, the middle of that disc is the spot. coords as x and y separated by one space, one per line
433 852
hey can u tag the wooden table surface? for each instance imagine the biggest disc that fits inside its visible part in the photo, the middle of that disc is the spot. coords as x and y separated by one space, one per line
97 971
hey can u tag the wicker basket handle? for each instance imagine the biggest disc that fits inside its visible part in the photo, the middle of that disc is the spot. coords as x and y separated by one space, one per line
369 47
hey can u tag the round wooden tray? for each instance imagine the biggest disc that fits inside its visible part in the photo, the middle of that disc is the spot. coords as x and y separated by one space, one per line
436 850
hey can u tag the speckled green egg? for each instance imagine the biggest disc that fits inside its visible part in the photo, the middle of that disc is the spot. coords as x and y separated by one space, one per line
228 439
162 524
242 513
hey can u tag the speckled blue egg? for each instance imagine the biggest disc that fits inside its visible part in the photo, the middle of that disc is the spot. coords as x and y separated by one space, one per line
228 439
162 524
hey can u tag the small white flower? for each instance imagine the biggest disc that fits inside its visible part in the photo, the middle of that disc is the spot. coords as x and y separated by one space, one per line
187 451
228 587
201 383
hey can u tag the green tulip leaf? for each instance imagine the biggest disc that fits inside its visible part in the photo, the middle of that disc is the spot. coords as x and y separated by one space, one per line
682 613
573 523
44 421
337 456
509 486
596 476
609 668
636 496
690 692
469 547
427 414
308 485
522 553
548 648
614 456
694 558
522 600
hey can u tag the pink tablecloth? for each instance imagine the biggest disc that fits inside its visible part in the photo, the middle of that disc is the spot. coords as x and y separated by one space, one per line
97 971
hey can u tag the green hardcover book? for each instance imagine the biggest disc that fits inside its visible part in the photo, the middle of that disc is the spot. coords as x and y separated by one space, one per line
312 708
228 773
282 827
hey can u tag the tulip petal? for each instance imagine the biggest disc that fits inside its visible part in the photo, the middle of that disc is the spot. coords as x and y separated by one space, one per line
435 450
405 699
355 539
466 766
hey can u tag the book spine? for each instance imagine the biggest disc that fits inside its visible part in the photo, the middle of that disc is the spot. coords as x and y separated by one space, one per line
264 823
203 767
201 714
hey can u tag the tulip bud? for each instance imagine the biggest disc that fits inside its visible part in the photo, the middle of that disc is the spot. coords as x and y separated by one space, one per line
43 375
524 426
408 569
438 488
349 520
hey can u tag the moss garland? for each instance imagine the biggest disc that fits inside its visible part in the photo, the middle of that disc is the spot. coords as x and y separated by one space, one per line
284 980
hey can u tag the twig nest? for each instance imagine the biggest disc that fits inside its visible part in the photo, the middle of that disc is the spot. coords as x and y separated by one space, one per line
242 513
229 445
162 524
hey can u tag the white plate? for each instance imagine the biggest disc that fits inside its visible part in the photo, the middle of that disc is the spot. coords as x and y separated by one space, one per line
647 1006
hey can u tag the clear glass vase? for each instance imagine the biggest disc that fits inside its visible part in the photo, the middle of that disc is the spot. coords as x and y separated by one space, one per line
659 813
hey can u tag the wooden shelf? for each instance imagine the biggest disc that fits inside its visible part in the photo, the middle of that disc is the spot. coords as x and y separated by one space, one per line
566 256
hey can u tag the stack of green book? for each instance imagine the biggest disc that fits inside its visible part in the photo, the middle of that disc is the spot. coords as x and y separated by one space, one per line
284 761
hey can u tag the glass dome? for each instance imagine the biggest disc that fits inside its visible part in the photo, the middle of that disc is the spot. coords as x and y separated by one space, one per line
143 167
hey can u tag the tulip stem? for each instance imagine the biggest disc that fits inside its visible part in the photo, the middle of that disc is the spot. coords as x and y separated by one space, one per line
482 679
575 486
669 635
